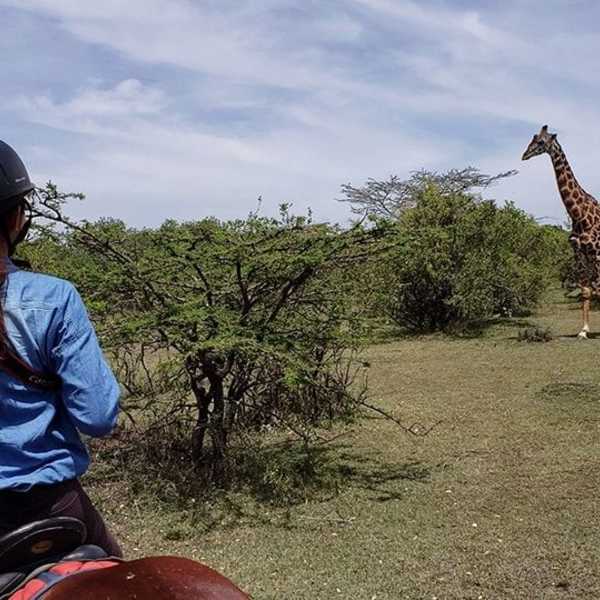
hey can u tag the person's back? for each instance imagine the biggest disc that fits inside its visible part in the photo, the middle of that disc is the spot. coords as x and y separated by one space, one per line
44 326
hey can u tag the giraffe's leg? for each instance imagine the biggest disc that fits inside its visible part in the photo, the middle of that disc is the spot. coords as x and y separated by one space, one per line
585 270
586 294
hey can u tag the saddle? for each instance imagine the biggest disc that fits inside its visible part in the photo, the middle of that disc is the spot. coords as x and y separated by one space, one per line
33 548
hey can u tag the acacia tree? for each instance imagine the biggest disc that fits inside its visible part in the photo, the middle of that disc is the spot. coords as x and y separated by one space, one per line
462 262
389 198
254 320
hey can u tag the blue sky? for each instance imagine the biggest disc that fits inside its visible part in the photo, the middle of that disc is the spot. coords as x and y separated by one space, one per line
186 108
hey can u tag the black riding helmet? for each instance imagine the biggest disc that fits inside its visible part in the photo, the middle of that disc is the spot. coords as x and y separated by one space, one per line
14 179
14 187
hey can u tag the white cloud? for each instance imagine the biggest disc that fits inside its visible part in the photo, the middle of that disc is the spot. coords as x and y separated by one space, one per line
129 97
225 101
94 111
170 169
234 42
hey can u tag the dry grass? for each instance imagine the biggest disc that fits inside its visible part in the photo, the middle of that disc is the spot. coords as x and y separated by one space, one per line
500 501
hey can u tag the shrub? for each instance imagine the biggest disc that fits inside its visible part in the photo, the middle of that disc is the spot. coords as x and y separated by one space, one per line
563 258
460 261
535 334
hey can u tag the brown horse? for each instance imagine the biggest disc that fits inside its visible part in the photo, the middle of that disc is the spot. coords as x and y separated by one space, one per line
46 559
155 578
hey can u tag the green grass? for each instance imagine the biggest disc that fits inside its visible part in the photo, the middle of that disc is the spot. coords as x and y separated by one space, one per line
501 500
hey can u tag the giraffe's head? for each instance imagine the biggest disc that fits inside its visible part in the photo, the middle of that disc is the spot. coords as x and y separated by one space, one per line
540 143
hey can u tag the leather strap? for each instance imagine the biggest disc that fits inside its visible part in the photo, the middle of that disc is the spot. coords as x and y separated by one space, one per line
13 365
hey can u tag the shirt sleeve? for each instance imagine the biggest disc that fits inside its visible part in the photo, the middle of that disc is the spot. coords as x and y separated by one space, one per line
89 389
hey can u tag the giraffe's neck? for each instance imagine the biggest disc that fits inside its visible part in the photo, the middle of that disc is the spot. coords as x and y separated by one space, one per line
572 194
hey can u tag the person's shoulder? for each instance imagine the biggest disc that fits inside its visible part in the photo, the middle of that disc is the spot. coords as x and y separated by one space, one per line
42 289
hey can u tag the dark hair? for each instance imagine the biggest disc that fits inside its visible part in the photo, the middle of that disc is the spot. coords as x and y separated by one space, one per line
10 361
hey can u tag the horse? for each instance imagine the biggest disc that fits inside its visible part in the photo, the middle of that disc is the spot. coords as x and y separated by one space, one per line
157 577
48 559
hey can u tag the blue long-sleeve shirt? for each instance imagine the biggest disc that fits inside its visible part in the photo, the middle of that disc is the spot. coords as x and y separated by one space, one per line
48 326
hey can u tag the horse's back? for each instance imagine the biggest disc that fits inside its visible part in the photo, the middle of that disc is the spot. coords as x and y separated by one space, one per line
157 578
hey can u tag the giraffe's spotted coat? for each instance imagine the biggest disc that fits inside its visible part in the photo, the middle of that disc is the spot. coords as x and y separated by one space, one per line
584 211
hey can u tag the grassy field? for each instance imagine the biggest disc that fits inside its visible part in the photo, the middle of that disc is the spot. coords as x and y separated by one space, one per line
499 501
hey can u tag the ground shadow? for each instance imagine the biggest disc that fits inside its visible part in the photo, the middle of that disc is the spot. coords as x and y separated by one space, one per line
575 336
568 392
292 474
573 401
381 478
472 330
264 483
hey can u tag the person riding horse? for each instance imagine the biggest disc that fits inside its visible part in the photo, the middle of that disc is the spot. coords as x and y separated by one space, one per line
55 383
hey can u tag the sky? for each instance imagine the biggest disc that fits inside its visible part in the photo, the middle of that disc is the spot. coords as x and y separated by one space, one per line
193 108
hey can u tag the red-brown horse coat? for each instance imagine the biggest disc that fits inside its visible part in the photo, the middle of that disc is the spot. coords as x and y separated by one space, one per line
153 578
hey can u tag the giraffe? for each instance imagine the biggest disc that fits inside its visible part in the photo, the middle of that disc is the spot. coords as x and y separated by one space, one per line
584 211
